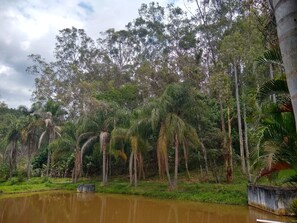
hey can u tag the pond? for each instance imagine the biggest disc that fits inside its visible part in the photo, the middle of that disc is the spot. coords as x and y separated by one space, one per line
64 207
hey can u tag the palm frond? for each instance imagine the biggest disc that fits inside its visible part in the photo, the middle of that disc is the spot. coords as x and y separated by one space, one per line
275 86
272 56
84 136
87 144
41 138
175 125
291 180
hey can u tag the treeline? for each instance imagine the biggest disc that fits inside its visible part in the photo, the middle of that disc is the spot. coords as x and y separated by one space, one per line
171 92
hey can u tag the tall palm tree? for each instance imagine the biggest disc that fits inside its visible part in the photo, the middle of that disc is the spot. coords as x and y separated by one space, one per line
30 139
102 121
75 139
173 127
12 140
51 132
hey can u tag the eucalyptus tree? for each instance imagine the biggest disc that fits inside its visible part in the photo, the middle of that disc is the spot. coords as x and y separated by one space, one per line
71 76
219 85
238 53
183 48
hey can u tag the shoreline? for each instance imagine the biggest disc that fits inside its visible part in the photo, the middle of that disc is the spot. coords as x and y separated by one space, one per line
230 194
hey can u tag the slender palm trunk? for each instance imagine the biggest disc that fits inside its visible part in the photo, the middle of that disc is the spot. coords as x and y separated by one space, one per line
167 172
103 143
285 12
29 160
48 162
160 151
135 169
131 168
176 161
51 138
160 169
77 165
186 160
12 161
104 166
243 166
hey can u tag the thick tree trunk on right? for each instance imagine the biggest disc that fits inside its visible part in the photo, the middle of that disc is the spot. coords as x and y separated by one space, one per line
285 12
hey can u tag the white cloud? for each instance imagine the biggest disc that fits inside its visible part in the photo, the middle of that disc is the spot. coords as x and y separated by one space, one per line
4 71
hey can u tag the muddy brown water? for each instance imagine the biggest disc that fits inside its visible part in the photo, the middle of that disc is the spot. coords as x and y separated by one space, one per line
64 207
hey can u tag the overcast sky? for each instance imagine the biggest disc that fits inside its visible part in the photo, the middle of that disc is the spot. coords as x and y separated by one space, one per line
30 26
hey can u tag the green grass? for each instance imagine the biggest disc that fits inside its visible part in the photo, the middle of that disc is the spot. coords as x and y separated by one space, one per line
235 193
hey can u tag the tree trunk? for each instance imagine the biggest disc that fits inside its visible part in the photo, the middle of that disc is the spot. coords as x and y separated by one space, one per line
131 168
161 152
272 77
204 157
243 166
135 169
176 161
12 161
103 142
225 144
167 171
51 138
160 162
104 165
285 12
140 167
186 160
29 160
77 165
246 142
229 166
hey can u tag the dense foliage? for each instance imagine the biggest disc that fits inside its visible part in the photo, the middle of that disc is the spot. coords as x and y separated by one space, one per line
171 92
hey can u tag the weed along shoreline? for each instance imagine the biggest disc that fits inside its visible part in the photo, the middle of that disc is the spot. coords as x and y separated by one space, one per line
232 194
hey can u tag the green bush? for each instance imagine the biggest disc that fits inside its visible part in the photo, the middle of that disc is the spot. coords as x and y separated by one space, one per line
4 172
21 175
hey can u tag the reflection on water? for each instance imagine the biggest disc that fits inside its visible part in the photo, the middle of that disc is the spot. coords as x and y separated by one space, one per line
88 207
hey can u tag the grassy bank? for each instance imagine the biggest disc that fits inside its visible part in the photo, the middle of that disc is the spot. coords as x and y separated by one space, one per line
191 190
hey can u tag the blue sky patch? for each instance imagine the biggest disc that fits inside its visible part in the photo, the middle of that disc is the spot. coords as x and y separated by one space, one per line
87 7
